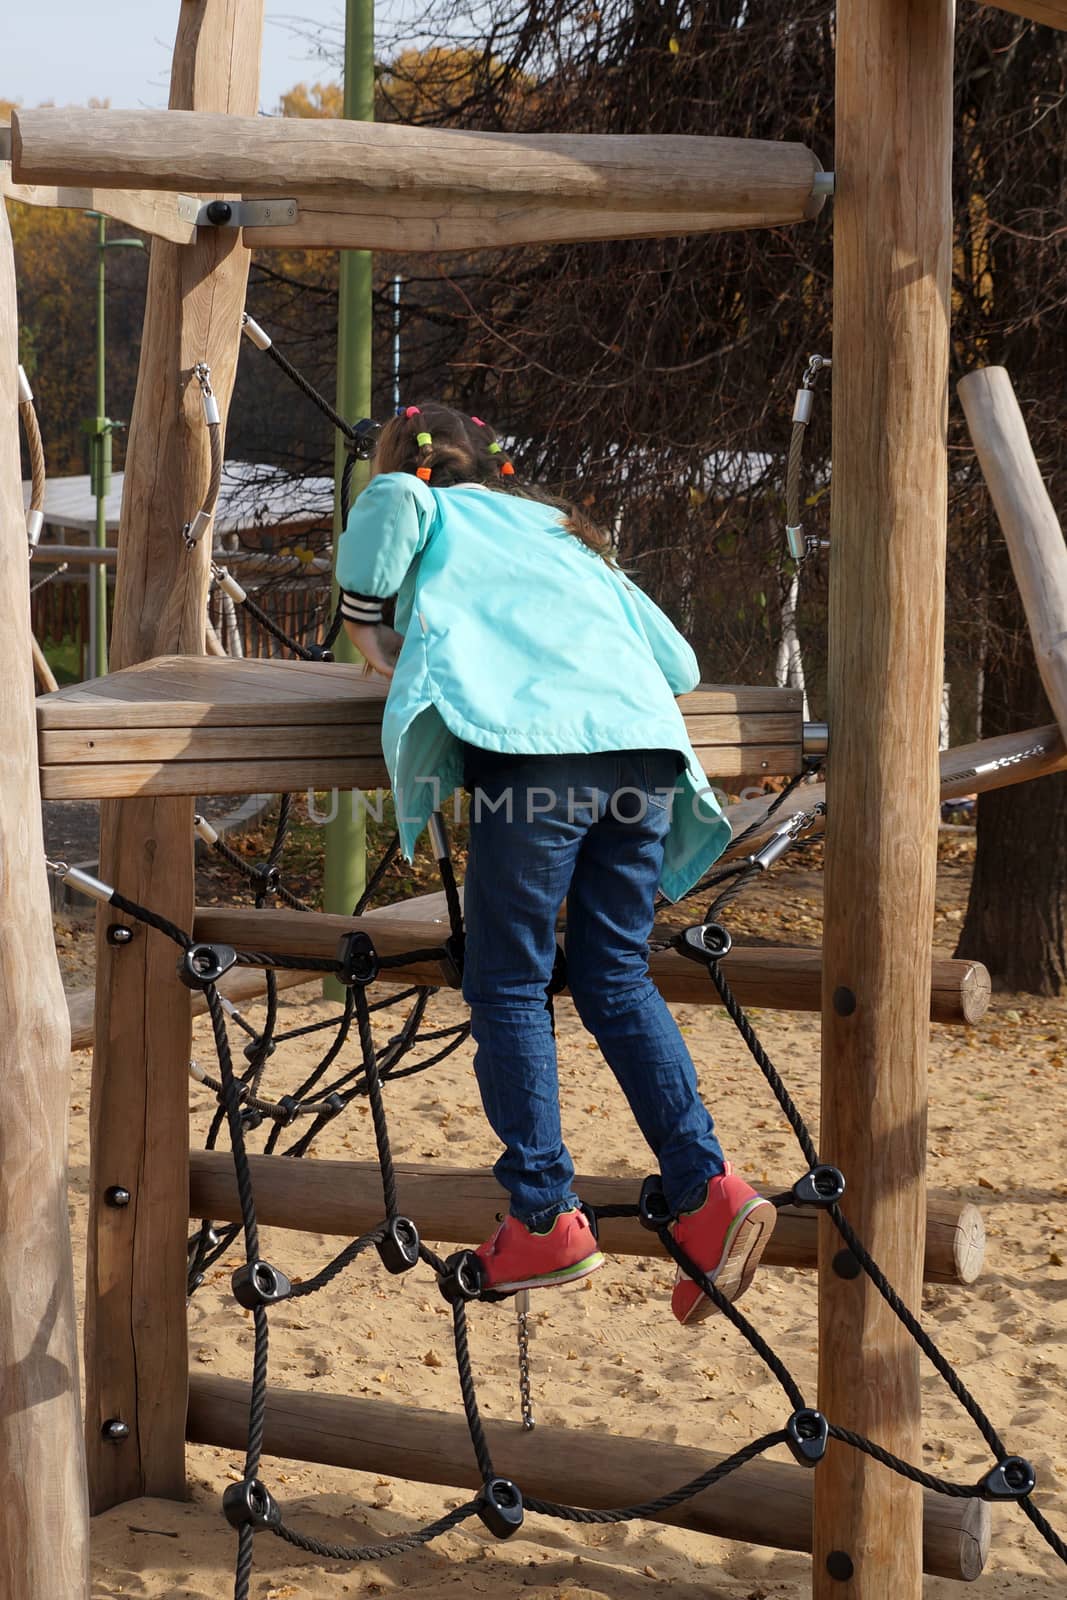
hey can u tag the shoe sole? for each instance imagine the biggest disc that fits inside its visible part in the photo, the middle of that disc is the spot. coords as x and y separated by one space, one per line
552 1280
746 1241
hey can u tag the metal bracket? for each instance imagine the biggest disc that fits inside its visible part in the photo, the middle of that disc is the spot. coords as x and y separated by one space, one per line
237 213
822 185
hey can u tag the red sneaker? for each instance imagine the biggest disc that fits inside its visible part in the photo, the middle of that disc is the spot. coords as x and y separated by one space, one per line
517 1258
725 1237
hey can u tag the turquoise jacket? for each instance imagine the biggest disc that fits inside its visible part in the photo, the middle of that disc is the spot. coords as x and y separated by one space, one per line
517 638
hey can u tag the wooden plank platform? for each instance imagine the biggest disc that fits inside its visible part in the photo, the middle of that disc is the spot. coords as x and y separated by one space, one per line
199 725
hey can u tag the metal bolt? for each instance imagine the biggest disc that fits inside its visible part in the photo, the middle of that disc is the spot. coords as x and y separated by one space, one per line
116 1196
115 1430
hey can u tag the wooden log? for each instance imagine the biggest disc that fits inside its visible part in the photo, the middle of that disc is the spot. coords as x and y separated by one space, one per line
1050 13
432 188
41 670
457 1205
246 983
777 977
148 211
44 1519
892 261
135 1339
1027 520
764 1503
334 222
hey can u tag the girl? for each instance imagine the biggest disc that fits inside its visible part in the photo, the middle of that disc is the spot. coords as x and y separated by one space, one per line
526 667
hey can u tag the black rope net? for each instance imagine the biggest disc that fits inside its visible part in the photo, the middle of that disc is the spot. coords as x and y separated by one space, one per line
246 1101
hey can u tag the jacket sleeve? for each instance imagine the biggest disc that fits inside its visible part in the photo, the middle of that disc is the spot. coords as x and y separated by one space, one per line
674 655
387 527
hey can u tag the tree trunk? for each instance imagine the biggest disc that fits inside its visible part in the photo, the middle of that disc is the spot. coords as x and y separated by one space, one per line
1016 922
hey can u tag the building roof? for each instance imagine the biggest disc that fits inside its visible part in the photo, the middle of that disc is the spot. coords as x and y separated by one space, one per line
251 496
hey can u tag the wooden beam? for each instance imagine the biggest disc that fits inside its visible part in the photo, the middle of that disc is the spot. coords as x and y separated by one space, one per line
135 1337
149 211
336 222
1027 520
1050 13
458 1205
430 188
245 983
968 769
892 261
764 1503
44 1518
778 977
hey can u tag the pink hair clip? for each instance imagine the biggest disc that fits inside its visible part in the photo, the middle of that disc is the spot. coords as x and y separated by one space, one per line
478 423
413 411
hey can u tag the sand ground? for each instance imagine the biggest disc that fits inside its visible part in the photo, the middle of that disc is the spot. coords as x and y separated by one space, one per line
607 1355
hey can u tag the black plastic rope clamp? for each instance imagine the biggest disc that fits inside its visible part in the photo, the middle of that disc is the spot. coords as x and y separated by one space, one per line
259 1049
399 1248
653 1212
807 1435
318 652
250 1504
462 1277
707 942
266 877
363 440
500 1507
1011 1479
357 959
257 1283
204 964
451 962
821 1188
288 1106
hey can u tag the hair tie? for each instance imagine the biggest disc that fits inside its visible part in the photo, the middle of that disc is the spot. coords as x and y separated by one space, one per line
506 469
478 423
495 448
412 411
425 473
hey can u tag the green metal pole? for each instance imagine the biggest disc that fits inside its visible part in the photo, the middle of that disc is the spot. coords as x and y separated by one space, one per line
100 446
346 835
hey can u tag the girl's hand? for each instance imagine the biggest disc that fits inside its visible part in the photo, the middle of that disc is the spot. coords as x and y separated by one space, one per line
378 644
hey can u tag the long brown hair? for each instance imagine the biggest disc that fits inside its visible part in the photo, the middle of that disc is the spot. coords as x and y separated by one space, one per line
444 447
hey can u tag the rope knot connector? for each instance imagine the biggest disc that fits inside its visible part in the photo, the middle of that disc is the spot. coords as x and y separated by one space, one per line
250 1505
708 942
821 1188
257 1283
204 964
500 1507
399 1245
357 960
1011 1479
462 1277
653 1212
807 1435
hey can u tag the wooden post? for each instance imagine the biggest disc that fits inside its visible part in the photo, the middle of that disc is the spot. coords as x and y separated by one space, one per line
1027 520
135 1340
892 254
44 1523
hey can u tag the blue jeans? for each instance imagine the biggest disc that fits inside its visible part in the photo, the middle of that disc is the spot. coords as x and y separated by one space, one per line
588 828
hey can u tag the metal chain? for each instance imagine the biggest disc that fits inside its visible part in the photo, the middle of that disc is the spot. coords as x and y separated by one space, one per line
522 1329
